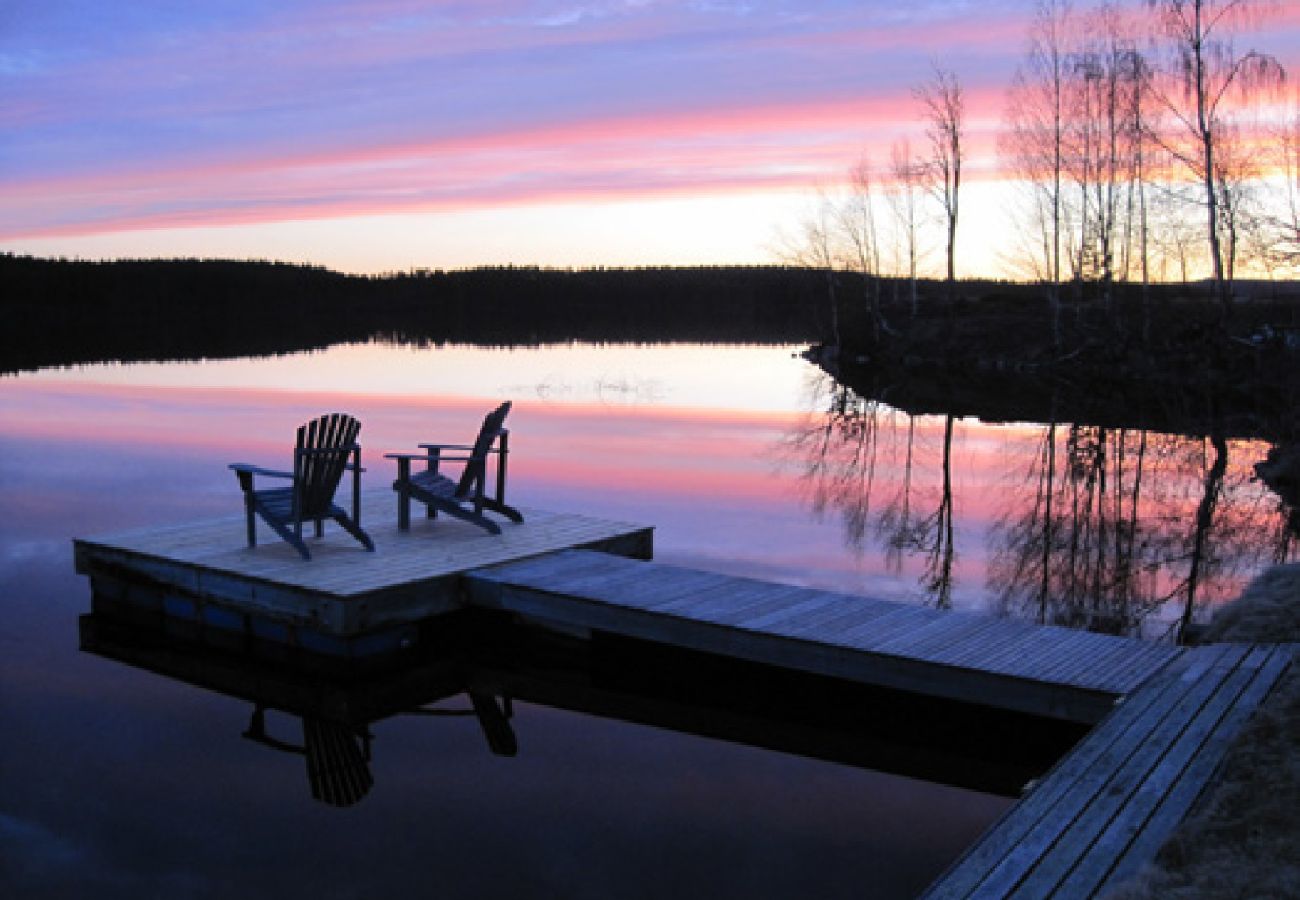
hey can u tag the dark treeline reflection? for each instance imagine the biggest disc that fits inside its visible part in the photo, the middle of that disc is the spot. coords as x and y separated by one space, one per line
1120 530
60 312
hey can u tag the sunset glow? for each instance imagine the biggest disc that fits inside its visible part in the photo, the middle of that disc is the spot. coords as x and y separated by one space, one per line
382 136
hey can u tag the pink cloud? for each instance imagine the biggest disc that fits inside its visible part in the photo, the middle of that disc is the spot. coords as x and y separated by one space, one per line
721 141
719 150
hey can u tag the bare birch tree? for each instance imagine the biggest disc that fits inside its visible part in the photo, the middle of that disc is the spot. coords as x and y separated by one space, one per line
814 246
907 173
1106 76
856 218
1284 242
1208 77
1034 145
945 112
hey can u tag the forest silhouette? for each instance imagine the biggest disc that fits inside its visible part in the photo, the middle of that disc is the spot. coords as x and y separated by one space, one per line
60 312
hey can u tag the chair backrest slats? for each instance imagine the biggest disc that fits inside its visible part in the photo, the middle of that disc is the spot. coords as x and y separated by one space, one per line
320 459
476 467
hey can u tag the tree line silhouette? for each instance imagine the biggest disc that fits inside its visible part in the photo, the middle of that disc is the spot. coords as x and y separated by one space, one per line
63 312
59 312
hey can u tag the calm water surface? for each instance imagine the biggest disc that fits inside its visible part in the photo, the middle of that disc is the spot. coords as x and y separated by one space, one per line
118 782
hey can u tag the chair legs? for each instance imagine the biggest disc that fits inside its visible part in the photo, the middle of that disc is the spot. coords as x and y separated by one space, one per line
291 532
509 512
352 528
434 504
288 535
455 510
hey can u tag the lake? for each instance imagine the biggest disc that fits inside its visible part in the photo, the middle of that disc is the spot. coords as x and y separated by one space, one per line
120 781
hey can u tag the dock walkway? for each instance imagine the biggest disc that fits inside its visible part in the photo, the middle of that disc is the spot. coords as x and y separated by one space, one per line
1005 663
1106 808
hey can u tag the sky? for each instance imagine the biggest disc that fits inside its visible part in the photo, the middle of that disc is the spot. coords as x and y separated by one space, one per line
386 135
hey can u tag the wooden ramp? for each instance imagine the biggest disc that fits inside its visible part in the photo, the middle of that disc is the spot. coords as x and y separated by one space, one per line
343 590
1003 663
1106 808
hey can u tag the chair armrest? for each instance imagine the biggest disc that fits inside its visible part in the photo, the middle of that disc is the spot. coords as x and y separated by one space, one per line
455 447
258 470
246 472
427 457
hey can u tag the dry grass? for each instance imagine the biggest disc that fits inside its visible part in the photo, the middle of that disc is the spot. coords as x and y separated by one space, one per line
1244 838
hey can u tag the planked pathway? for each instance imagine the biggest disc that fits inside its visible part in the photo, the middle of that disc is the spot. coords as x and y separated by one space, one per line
997 662
1106 808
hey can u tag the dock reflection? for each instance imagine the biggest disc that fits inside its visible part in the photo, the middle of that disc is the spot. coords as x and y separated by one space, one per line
477 665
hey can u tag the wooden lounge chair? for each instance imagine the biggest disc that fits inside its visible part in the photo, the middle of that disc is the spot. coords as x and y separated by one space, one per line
325 446
464 499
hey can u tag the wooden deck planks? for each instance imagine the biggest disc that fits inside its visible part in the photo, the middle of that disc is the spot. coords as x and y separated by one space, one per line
343 589
727 602
1175 803
1091 853
1107 806
749 604
1096 798
1002 662
883 619
1111 740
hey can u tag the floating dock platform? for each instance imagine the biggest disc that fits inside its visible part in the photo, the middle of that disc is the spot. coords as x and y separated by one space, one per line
345 600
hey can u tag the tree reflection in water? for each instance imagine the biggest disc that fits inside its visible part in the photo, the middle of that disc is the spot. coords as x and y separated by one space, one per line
1112 529
838 453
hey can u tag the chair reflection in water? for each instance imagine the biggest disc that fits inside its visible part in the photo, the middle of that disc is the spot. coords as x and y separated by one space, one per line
493 719
466 498
326 448
338 755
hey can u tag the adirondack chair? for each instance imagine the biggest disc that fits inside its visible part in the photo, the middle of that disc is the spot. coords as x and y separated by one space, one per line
466 498
326 448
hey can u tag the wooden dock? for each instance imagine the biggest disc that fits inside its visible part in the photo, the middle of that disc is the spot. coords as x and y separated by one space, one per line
1106 808
1005 663
344 591
1166 714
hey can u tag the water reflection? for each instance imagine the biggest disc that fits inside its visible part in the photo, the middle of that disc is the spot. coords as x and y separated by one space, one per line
117 782
478 665
338 757
861 451
338 753
1113 529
